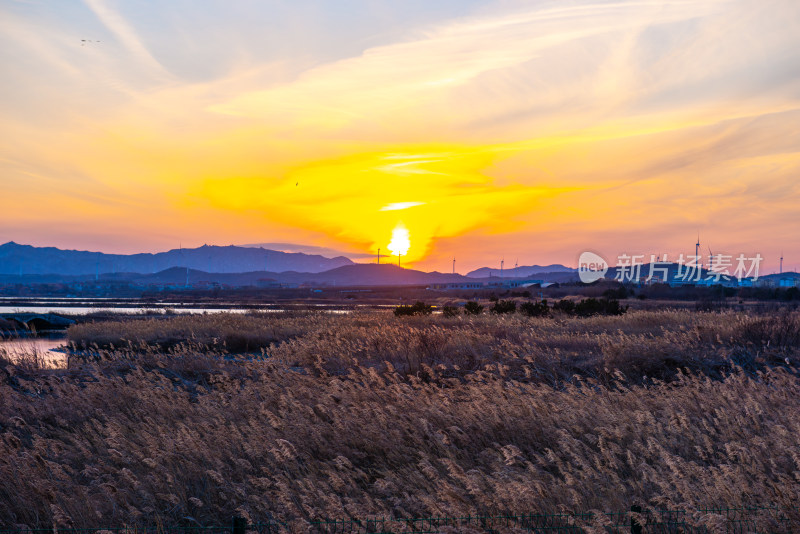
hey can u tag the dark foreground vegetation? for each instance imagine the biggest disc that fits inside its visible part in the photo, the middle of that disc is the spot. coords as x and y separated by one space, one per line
193 420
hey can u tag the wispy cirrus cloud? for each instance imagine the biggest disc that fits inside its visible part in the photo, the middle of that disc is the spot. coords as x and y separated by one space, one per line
127 36
386 79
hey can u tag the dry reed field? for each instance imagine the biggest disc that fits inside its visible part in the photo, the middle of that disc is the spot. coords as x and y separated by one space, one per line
366 415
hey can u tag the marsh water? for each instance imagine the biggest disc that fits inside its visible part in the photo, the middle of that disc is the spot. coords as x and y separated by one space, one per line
51 347
50 352
85 306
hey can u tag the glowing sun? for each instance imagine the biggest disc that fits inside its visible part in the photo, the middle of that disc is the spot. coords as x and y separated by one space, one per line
400 242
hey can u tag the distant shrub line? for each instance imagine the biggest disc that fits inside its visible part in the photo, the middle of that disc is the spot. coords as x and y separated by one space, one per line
584 308
418 308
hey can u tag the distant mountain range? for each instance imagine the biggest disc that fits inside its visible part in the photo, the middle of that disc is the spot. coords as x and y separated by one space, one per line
348 275
232 265
309 249
245 266
520 272
27 260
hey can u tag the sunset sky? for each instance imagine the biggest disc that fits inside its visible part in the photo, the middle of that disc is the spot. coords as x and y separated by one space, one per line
526 130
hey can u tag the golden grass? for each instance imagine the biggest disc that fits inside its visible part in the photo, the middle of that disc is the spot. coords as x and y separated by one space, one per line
228 331
372 415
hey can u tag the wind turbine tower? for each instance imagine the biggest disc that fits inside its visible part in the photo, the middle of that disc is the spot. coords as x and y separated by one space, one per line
454 265
502 262
697 252
781 262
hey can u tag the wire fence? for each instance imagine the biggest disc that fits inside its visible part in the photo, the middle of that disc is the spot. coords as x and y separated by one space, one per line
755 520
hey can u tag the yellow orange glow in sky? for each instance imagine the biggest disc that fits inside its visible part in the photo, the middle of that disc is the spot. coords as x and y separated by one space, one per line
481 129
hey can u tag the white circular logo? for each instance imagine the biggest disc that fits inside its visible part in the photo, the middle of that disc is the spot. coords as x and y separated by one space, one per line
591 267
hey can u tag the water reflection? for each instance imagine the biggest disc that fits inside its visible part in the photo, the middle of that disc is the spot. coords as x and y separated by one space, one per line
78 310
48 353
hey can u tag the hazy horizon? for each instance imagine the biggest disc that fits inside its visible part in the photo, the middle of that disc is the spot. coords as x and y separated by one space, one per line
460 268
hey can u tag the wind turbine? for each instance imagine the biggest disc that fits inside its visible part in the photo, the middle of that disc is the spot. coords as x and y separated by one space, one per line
697 252
781 262
710 259
502 262
454 265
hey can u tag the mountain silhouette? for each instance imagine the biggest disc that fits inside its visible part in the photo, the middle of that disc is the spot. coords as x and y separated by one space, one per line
27 260
520 272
